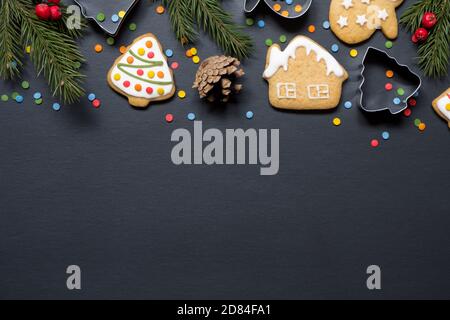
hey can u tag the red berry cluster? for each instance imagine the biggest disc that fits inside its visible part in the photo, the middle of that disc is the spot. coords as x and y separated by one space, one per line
429 20
49 10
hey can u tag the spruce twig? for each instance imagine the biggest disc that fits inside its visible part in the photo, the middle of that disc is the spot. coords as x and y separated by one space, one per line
434 54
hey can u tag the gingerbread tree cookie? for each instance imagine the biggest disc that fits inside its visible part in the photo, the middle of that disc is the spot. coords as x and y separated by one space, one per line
442 106
142 73
354 21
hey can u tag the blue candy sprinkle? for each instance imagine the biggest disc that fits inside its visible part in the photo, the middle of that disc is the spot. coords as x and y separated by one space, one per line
56 106
91 97
386 135
169 53
37 95
335 48
261 24
191 116
249 115
397 101
326 25
114 18
289 2
348 105
19 99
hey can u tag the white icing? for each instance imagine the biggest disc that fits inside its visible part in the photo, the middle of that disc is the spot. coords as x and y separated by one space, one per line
342 22
361 20
280 59
159 56
290 90
347 4
442 105
383 14
319 92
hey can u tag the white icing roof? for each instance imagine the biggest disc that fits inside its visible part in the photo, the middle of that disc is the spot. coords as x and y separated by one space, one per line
280 58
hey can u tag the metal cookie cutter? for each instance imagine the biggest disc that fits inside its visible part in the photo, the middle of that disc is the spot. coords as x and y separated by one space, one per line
386 84
110 10
295 9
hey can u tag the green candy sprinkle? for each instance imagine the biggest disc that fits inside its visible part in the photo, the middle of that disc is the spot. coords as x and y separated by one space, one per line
101 17
14 95
110 41
269 42
4 98
389 44
250 21
38 101
283 38
400 91
132 27
417 122
25 85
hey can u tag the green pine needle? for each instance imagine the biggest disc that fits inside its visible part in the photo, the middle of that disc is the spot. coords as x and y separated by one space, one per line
212 18
54 52
434 54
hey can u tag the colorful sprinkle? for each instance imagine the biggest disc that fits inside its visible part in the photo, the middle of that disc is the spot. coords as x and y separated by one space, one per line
4 97
386 135
389 74
417 122
25 85
169 53
151 74
182 94
348 105
115 18
110 41
283 39
374 143
298 8
353 53
194 51
337 122
161 91
326 25
169 118
397 101
250 22
132 27
261 24
412 102
175 65
37 95
388 86
149 44
96 103
122 14
269 42
91 97
196 59
98 48
38 101
117 76
101 17
56 106
191 116
407 112
312 28
249 115
400 91
19 99
335 48
123 49
389 44
422 126
160 9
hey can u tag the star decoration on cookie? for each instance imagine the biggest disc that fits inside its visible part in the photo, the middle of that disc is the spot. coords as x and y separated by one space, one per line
361 20
347 4
383 15
343 21
365 1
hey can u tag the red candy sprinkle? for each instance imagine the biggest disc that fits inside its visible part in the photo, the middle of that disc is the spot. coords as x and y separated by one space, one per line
407 112
412 102
126 84
374 143
96 103
151 55
140 72
169 117
174 65
388 86
149 90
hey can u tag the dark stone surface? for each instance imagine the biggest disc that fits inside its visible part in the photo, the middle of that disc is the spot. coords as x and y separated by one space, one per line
97 188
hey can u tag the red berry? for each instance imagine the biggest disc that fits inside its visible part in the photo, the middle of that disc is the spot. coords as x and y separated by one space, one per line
43 11
54 1
55 12
421 34
429 20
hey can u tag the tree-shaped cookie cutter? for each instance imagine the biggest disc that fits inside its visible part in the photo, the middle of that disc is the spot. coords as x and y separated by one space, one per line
250 6
375 96
91 8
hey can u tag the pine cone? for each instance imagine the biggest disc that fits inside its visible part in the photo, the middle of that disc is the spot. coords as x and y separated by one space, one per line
216 78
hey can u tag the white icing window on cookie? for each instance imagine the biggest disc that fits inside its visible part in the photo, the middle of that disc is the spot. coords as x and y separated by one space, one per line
318 92
287 90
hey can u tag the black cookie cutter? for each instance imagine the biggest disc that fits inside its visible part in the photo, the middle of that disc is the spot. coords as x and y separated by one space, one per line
250 6
90 9
374 95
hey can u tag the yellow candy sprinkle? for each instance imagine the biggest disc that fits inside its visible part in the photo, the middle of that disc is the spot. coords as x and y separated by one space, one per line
141 51
151 74
298 8
182 94
196 59
285 13
117 77
28 49
161 91
354 53
194 51
337 122
121 14
447 107
277 7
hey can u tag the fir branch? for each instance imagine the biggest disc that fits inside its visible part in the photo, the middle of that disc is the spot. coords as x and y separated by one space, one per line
54 51
11 52
434 54
219 24
182 20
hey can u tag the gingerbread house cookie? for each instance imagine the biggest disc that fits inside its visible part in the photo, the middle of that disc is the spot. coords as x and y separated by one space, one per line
304 76
442 106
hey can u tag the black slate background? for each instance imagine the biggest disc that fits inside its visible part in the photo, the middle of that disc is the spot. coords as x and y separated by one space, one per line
97 188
